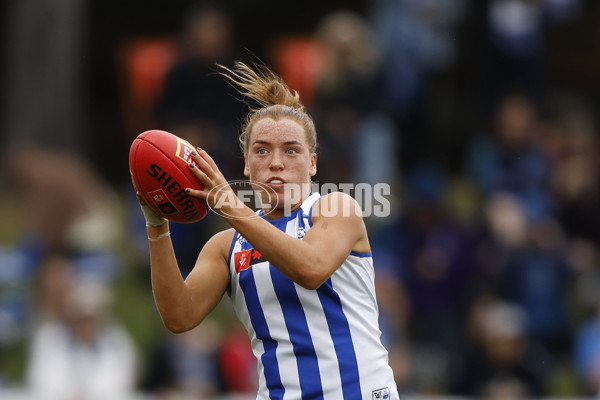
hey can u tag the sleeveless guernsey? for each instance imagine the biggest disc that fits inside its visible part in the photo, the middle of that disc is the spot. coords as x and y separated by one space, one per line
311 344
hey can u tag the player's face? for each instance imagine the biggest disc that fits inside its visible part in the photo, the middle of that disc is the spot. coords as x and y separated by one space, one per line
279 157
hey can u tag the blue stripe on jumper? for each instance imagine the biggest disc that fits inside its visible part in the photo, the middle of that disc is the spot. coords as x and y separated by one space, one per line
342 341
297 326
259 323
296 323
358 254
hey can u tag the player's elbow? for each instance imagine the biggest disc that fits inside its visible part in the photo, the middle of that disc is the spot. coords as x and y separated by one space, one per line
310 278
174 328
310 284
178 325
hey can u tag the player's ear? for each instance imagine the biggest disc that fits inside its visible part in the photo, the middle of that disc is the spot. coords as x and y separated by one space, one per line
246 170
312 170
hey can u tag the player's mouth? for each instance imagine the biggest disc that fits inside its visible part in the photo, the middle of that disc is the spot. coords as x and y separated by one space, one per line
275 182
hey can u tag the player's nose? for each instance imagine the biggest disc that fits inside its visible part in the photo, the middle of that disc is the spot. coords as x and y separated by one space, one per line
276 161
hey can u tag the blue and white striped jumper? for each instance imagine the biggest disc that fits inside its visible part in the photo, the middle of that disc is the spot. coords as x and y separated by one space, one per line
311 344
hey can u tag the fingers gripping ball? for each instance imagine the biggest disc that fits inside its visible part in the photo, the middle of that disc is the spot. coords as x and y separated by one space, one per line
159 165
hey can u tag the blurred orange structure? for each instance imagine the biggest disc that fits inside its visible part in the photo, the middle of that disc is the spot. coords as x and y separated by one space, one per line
142 65
299 60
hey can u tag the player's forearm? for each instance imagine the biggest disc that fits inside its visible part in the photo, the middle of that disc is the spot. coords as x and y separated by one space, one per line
170 290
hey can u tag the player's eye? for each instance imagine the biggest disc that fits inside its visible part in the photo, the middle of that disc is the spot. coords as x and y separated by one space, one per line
261 151
292 151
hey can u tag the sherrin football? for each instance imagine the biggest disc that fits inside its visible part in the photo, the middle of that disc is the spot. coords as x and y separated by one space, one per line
159 165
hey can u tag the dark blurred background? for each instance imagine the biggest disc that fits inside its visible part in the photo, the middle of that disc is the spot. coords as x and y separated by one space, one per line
481 116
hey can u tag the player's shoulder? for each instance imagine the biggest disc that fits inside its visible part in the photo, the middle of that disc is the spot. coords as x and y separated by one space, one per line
221 241
224 236
336 204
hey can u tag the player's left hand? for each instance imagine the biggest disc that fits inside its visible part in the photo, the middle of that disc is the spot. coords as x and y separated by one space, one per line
217 192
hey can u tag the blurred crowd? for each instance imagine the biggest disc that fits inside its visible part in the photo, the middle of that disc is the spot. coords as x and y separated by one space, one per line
488 270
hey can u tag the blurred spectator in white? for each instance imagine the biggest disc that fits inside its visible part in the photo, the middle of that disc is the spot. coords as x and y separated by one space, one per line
84 356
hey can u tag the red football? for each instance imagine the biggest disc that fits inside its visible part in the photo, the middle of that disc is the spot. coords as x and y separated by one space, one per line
159 165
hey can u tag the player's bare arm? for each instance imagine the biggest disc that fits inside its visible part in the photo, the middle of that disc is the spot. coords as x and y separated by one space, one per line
184 304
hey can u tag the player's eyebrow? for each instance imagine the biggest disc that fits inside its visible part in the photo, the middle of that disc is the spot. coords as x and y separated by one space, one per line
286 143
292 142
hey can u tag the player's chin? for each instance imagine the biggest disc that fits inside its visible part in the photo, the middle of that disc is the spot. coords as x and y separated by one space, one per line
286 202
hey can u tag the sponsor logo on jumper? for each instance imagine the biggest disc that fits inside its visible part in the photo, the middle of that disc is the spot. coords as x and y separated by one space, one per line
246 258
182 200
381 394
